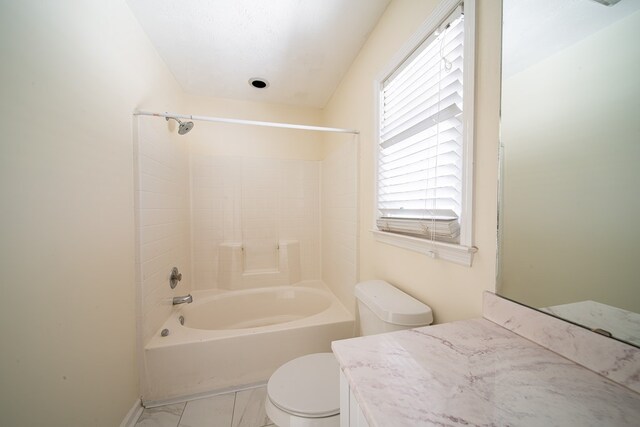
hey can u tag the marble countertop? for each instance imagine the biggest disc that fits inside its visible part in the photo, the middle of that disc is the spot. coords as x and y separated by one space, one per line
476 373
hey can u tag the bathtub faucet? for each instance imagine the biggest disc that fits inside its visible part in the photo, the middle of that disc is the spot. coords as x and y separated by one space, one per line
183 299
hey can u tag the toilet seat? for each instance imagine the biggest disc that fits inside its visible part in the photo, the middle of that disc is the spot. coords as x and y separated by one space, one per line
307 386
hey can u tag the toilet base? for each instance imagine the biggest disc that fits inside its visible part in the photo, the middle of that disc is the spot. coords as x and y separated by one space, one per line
285 419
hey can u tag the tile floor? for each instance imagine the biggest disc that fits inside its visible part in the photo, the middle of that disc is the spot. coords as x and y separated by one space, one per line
240 409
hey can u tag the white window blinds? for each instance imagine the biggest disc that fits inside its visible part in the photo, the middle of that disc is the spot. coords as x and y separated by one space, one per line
421 145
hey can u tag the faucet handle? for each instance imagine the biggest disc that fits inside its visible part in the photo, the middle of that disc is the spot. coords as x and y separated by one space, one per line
176 276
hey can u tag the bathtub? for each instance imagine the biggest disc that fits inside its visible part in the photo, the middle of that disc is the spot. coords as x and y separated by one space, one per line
236 339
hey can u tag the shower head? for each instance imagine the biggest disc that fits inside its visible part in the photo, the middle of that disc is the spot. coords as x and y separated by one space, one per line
183 128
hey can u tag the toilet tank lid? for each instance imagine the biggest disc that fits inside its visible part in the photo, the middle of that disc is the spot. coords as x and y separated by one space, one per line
392 305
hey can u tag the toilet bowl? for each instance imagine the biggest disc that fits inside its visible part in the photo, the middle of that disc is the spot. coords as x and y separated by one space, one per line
305 392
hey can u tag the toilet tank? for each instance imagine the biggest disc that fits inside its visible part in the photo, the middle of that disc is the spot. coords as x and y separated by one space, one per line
385 308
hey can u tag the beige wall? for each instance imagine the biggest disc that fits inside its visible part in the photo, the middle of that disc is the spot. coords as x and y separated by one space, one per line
72 73
570 132
453 291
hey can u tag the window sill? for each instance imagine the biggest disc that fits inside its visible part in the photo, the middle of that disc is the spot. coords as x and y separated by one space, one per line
457 254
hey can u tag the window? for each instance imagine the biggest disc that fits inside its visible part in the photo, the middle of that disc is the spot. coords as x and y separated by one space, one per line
425 139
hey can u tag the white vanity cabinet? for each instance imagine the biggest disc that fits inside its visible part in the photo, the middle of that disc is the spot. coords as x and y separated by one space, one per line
350 412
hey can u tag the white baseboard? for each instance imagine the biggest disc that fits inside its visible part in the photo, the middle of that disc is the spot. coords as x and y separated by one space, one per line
202 395
132 416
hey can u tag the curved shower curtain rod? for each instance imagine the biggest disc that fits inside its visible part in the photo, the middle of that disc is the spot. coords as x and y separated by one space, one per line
245 122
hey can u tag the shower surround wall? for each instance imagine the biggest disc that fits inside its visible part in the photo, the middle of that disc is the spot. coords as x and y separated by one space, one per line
256 204
340 217
281 213
235 185
162 197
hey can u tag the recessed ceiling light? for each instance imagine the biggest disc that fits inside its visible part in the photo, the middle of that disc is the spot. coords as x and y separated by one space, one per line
259 83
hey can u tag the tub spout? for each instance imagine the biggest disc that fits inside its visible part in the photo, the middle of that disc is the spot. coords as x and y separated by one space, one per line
183 299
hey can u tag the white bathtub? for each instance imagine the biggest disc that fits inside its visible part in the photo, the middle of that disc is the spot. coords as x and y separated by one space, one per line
232 339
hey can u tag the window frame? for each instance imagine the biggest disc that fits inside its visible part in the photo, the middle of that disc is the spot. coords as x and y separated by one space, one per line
461 253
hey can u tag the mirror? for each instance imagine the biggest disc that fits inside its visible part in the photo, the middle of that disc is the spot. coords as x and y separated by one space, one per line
570 161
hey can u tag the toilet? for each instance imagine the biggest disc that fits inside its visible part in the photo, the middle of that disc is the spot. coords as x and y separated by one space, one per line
305 392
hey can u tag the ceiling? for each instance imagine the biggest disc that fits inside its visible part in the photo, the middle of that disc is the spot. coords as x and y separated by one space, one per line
536 29
302 47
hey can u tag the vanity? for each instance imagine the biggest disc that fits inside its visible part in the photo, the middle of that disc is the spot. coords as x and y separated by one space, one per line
484 372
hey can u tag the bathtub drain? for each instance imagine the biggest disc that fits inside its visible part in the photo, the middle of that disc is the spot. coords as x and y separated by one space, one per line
181 319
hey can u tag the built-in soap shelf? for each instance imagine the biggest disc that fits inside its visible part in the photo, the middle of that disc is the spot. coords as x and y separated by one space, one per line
232 273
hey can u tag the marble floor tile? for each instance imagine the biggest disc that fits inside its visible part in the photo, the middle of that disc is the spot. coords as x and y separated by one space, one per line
249 408
215 411
162 416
